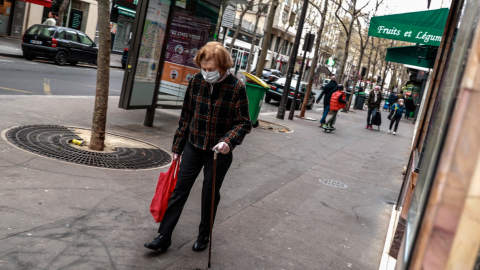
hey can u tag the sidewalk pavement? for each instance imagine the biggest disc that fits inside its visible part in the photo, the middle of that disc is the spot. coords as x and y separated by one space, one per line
274 212
12 47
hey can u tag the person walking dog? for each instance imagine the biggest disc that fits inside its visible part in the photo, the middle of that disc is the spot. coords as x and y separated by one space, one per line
337 102
327 92
214 116
399 108
374 100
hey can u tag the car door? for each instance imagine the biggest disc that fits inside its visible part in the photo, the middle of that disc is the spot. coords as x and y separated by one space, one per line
89 51
73 45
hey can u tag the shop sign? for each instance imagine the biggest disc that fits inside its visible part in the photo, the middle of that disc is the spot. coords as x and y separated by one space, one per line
243 37
330 62
126 11
424 27
76 19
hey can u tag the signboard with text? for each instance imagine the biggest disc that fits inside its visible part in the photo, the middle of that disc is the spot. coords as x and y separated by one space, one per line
423 27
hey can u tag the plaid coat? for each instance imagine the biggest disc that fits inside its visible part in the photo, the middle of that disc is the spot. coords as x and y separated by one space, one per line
208 117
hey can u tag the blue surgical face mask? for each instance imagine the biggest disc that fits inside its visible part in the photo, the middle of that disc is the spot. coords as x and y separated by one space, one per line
211 76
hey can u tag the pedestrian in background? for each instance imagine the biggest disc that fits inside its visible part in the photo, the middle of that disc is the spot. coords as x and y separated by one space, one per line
374 100
399 108
214 115
391 99
337 102
51 19
400 96
327 92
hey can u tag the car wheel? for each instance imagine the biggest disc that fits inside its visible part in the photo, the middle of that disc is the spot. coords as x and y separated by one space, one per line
60 58
123 65
268 99
299 104
310 106
28 57
73 63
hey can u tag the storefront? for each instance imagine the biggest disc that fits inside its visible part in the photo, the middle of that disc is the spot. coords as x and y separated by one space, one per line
80 15
435 225
121 23
241 50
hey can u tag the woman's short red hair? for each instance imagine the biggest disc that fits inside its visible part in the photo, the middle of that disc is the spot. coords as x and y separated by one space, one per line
214 50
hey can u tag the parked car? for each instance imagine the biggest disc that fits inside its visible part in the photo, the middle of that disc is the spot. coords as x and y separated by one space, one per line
60 44
276 91
270 75
124 57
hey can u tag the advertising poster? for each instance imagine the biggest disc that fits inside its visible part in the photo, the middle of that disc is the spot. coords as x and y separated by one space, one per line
187 36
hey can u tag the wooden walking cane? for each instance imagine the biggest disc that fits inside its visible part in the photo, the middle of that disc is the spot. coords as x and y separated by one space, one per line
213 202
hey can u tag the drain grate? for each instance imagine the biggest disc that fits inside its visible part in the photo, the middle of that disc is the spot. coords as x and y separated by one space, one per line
52 141
332 183
273 127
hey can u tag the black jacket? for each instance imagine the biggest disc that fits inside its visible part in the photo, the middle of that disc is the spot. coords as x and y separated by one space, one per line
330 88
371 100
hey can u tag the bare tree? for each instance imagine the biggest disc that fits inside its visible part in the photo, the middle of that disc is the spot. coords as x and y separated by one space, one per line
354 13
97 138
258 15
315 57
61 11
266 38
240 21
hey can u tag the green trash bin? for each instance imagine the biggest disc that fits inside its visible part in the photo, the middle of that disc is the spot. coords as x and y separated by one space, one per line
255 94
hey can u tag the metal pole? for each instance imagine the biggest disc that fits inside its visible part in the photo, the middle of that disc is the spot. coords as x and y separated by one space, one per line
291 64
294 100
213 203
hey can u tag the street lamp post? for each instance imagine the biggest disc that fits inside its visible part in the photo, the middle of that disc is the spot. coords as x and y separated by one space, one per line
291 64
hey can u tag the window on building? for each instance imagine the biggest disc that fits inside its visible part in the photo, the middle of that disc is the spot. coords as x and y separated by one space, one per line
284 47
287 2
276 45
271 41
285 16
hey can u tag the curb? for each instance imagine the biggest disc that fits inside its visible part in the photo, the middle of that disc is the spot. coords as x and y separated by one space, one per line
21 57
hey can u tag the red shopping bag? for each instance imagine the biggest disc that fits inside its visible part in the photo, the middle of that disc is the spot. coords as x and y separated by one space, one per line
165 187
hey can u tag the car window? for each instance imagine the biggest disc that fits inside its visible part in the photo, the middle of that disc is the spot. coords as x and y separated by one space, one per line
84 39
60 34
72 36
276 73
42 31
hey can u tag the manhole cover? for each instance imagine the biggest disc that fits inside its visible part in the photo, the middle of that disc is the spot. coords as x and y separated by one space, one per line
120 152
332 183
273 127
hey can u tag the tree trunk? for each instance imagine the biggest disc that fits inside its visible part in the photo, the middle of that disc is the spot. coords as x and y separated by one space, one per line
368 68
253 42
239 27
345 54
103 76
315 59
61 11
359 66
266 38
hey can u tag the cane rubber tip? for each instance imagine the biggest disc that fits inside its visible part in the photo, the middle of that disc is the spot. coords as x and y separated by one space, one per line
209 265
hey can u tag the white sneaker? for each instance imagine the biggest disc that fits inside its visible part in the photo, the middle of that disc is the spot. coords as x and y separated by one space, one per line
389 131
394 133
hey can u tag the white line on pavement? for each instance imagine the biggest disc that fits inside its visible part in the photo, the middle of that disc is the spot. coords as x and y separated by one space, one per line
6 61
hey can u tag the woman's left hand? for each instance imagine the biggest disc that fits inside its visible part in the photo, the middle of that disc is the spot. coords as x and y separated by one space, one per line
222 147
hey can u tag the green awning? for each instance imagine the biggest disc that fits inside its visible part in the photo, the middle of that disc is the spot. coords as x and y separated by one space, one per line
424 27
126 11
423 56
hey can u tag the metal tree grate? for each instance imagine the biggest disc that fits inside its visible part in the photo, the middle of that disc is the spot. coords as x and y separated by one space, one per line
52 141
332 183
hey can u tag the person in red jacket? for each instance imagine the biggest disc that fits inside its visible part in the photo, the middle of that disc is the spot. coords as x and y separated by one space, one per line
337 102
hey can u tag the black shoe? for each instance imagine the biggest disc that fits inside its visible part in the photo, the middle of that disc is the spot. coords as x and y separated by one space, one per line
160 242
332 127
201 244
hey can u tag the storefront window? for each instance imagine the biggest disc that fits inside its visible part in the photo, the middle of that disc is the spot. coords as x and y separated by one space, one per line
6 9
442 112
123 33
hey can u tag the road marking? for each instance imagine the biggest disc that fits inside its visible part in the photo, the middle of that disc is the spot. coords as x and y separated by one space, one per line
6 61
16 90
46 86
83 84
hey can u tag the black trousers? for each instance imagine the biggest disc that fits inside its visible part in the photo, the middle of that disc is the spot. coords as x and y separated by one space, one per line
395 120
193 160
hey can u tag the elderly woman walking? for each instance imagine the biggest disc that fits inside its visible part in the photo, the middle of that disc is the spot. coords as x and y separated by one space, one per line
374 100
214 115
